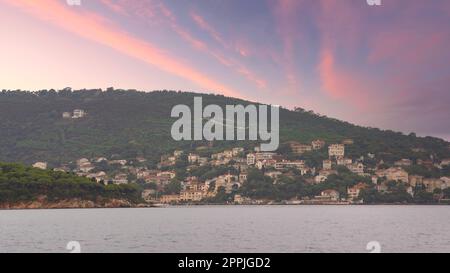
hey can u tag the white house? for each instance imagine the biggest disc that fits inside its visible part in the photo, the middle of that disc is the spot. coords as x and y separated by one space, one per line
79 113
327 164
40 165
337 150
251 159
193 158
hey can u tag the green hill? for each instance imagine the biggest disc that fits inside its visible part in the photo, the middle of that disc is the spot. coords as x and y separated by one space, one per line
129 123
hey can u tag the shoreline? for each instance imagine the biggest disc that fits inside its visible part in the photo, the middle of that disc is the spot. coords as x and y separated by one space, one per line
156 206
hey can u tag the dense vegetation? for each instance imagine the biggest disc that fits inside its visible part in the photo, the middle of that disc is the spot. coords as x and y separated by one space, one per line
21 183
126 124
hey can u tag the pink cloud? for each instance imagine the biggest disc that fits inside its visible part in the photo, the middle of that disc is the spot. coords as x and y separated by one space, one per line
286 12
151 9
93 27
114 7
208 28
343 85
230 62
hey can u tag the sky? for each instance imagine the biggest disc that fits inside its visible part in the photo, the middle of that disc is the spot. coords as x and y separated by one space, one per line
384 66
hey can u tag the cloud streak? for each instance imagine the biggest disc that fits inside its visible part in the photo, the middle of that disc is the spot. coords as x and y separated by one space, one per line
149 10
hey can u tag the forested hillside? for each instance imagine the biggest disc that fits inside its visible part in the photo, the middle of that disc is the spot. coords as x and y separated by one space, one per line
127 124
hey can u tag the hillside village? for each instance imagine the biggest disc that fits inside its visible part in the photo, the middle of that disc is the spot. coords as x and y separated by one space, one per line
249 176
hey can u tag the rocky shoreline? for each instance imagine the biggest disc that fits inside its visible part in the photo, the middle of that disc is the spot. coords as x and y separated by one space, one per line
70 204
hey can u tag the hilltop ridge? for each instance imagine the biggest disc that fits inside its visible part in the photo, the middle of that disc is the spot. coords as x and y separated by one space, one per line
129 123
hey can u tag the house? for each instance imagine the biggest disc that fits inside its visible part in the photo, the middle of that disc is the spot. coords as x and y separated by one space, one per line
273 174
374 179
299 148
348 141
79 113
403 162
251 159
264 156
382 187
317 144
167 174
357 168
121 178
217 156
418 150
122 162
425 163
169 198
265 164
172 159
410 190
228 153
193 158
445 162
305 170
227 181
446 181
333 195
220 162
148 195
394 174
141 159
259 165
177 153
327 164
144 172
320 178
285 164
99 177
101 159
167 161
191 196
236 151
86 167
202 161
239 199
196 185
327 173
82 161
40 165
242 177
66 115
342 161
336 150
432 184
353 192
415 180
63 169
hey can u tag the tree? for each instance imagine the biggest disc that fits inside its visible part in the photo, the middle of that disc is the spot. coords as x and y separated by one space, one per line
174 187
423 197
447 193
258 185
221 196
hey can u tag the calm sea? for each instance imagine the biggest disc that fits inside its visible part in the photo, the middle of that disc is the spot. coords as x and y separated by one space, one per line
229 229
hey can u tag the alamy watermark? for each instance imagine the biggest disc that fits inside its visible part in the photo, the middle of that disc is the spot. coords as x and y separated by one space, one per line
373 2
216 127
73 2
74 247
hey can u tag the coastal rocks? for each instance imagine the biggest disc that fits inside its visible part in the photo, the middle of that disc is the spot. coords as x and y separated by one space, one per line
43 203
